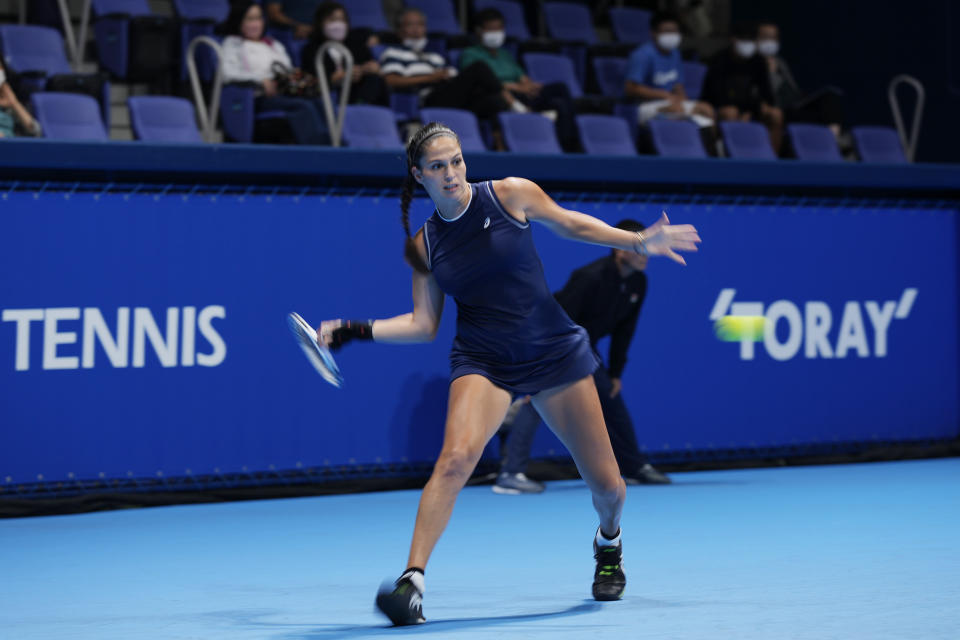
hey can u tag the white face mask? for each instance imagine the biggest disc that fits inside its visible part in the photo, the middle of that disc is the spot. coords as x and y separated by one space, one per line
668 41
493 39
417 44
768 47
745 48
335 30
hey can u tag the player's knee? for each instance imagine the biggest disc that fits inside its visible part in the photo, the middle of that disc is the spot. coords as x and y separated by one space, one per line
610 490
456 464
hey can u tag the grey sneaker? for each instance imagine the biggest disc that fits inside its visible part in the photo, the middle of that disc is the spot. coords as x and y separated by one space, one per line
647 474
516 483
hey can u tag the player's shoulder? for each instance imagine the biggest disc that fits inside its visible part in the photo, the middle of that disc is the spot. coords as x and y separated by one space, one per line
510 187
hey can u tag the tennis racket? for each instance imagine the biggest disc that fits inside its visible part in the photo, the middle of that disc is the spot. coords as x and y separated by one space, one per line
318 354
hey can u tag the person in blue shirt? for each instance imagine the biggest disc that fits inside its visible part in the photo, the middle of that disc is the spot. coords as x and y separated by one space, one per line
655 76
513 337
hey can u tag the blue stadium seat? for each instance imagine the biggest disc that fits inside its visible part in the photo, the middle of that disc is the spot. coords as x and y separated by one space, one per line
462 121
630 25
199 18
163 119
366 13
36 54
603 134
370 127
610 74
133 43
676 138
747 140
516 22
814 142
405 105
529 133
440 15
569 22
878 144
553 67
693 75
214 11
68 116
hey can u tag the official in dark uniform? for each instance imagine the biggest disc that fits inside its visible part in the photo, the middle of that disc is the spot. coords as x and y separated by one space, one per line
605 298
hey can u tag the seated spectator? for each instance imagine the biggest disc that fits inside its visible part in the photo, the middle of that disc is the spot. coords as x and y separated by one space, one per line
490 28
655 76
738 85
14 118
249 56
823 106
410 68
332 23
294 14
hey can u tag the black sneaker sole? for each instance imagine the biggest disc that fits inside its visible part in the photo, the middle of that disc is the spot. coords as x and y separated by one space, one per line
397 608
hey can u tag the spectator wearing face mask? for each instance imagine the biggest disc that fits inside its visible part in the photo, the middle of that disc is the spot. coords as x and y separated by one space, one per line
14 118
738 85
655 76
527 94
823 106
332 23
410 68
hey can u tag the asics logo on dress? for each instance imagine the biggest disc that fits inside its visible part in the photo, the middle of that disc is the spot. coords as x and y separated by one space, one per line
486 223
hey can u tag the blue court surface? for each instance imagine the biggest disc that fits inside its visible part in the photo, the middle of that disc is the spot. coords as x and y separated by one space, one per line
852 551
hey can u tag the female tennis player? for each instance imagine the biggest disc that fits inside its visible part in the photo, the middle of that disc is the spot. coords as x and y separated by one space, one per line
512 338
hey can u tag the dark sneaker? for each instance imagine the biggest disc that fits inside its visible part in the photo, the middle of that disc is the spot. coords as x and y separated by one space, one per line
608 580
647 475
516 483
401 602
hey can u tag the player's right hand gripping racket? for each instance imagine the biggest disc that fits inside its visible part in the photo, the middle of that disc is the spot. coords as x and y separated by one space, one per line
318 355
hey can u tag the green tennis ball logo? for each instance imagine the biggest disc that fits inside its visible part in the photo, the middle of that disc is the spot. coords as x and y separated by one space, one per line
739 328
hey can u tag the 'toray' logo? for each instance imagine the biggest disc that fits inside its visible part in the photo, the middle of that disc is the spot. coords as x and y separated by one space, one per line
809 328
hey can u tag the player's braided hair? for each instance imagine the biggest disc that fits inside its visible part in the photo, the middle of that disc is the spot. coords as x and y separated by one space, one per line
414 151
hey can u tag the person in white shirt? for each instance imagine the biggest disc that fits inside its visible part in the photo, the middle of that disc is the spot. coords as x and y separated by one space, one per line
249 56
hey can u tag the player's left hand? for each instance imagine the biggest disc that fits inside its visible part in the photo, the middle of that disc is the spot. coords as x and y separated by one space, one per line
665 239
615 387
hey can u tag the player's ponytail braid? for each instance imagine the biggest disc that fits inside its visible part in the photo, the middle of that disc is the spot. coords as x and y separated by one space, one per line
414 150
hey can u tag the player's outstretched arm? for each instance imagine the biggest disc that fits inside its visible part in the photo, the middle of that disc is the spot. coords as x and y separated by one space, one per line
525 200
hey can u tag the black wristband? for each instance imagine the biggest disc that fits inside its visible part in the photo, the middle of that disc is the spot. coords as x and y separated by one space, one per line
351 330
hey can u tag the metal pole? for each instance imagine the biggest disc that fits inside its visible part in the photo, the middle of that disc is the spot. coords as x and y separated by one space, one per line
334 124
82 38
68 32
208 118
909 144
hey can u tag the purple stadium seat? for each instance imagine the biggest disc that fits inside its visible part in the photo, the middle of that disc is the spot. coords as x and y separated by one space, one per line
693 75
569 21
214 11
68 116
371 127
814 142
529 133
366 13
610 74
163 119
462 121
630 25
878 144
747 140
603 134
199 18
553 67
676 138
440 16
132 42
516 22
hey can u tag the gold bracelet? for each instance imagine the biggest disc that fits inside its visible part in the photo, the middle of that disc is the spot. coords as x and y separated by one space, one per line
641 246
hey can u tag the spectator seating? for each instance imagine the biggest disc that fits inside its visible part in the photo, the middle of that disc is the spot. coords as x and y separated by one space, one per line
132 42
516 22
610 74
569 22
163 119
814 142
529 133
440 16
630 25
693 75
603 134
462 121
676 138
553 67
878 144
370 127
366 13
68 116
36 55
199 18
747 140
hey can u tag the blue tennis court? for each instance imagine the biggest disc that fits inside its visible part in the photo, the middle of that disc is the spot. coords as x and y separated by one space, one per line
849 551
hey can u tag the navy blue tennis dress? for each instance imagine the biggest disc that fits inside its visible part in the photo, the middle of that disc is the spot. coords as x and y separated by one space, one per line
510 329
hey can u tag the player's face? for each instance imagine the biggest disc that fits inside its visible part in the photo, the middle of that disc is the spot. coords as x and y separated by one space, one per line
442 171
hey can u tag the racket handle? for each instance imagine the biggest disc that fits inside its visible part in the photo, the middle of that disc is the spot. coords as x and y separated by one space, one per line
351 330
